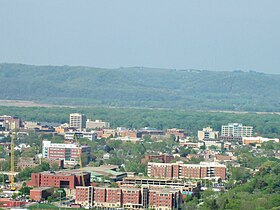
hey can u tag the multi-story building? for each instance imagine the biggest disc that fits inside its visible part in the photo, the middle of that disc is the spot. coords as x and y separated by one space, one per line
164 199
70 153
59 179
9 122
77 121
128 198
71 135
207 133
132 198
84 196
236 130
180 170
157 158
96 124
99 197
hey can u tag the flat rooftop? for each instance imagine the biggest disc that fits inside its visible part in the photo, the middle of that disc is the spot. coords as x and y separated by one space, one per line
64 173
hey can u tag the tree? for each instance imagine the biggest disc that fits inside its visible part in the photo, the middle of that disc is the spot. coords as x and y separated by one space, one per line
25 190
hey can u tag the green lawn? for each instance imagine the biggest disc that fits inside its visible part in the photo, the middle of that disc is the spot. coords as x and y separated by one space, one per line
42 206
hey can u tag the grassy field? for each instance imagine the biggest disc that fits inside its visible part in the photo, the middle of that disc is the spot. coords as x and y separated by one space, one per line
43 206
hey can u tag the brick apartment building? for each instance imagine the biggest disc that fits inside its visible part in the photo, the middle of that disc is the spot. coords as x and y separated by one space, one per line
180 170
164 198
132 198
128 198
157 158
59 179
67 152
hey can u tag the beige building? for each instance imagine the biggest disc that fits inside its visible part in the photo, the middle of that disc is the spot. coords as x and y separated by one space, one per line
207 133
77 121
96 124
257 140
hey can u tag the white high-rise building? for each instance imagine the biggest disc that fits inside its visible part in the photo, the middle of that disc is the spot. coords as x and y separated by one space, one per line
77 121
236 130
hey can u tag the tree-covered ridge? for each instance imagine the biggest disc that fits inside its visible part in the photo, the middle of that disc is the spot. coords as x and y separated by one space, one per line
141 87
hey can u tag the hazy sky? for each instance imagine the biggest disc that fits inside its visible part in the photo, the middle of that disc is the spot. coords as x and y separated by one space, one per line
200 34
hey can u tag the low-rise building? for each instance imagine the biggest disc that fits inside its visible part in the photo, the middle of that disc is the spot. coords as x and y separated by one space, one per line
257 140
96 124
98 174
71 135
178 133
185 187
223 158
40 193
153 132
24 163
213 142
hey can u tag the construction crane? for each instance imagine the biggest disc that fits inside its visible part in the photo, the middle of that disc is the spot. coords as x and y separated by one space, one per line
80 160
12 176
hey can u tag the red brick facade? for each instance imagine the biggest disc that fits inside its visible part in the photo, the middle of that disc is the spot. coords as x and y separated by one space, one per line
157 158
59 179
178 170
128 198
38 194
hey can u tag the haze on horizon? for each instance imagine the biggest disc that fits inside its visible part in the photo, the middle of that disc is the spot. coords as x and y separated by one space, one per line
199 34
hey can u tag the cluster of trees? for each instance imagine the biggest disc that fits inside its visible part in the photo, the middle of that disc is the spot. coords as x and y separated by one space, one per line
254 185
26 173
261 192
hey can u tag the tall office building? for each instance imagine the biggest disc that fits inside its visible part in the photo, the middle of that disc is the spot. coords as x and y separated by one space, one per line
236 130
77 121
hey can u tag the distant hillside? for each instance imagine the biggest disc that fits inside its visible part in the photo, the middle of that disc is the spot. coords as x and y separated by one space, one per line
141 87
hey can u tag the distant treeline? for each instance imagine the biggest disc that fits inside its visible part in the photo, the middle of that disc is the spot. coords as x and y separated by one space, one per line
141 87
264 124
